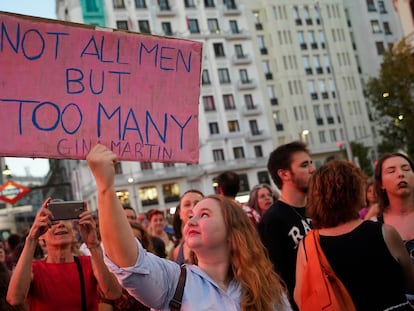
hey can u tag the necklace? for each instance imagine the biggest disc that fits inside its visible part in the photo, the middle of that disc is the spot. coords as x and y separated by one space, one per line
302 217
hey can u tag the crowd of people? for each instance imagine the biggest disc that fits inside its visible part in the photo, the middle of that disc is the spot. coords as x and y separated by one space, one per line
223 254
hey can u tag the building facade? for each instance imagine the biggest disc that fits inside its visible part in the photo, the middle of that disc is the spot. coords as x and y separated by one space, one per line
272 72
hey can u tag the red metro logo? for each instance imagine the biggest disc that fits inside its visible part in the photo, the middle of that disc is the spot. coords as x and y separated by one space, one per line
11 192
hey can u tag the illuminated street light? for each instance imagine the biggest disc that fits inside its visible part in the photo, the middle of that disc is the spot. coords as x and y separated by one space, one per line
400 117
385 95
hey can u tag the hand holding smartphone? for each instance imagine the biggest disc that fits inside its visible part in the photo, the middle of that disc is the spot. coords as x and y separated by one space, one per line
65 210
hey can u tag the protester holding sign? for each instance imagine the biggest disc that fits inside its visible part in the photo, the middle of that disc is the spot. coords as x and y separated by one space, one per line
233 272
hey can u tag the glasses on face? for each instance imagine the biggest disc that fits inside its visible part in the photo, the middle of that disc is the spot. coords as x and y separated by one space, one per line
131 217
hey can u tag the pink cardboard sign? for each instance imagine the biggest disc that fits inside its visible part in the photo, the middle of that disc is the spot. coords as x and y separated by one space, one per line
65 87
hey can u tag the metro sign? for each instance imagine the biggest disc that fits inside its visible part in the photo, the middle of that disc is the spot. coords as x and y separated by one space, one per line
12 192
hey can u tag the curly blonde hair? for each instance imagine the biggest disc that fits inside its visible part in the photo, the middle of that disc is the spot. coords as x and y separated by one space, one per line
262 288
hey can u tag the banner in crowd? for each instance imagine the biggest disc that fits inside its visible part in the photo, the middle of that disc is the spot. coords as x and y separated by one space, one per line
65 87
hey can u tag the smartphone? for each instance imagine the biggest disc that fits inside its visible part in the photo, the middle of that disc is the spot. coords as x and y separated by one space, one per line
64 210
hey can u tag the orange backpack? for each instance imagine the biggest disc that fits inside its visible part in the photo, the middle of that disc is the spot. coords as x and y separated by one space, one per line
321 288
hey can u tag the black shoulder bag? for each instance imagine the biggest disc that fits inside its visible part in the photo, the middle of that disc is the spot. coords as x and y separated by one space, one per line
175 303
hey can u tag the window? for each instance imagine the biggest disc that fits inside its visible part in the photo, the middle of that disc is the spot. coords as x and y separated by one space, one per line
148 195
322 138
381 7
375 26
144 26
139 4
244 76
234 27
332 135
209 3
277 122
261 42
244 183
205 78
306 65
371 5
311 89
321 38
193 25
238 152
266 70
238 48
254 128
166 28
248 101
118 168
119 4
91 6
213 26
301 40
146 166
171 192
219 50
228 100
122 25
258 151
224 76
380 47
208 103
263 177
387 28
214 128
272 95
164 5
189 4
123 196
230 4
218 155
233 126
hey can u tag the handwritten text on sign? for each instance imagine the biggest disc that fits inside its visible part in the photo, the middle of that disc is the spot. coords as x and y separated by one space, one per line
63 88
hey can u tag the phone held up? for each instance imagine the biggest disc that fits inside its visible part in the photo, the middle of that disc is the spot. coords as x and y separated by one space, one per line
65 210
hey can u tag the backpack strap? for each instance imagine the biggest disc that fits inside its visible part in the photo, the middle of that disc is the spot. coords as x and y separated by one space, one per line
82 282
175 303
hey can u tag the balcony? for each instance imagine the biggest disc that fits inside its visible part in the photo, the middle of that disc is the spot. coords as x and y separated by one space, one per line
308 21
324 95
319 70
303 46
330 120
166 11
269 76
241 59
246 84
274 101
319 121
239 35
279 127
298 22
259 26
251 110
263 51
231 10
314 96
308 71
256 135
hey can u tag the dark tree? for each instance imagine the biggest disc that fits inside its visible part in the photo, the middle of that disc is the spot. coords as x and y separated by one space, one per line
391 95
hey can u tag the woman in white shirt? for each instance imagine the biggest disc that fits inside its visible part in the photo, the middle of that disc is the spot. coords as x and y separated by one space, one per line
233 272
